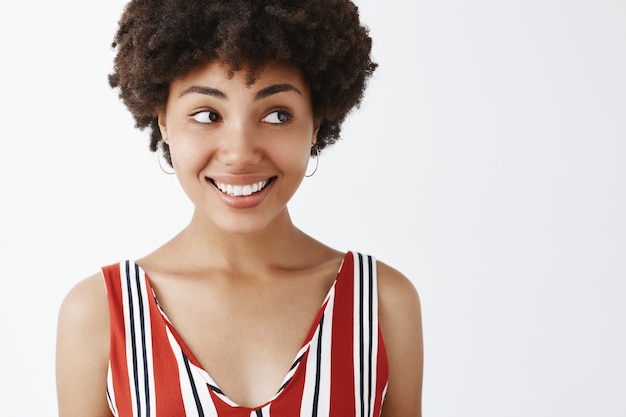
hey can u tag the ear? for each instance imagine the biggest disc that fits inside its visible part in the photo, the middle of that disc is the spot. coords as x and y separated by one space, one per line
316 129
162 126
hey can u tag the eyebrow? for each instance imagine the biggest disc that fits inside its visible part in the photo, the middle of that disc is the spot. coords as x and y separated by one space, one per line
207 91
261 94
275 89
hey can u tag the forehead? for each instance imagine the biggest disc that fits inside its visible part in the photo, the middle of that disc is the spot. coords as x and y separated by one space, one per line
219 75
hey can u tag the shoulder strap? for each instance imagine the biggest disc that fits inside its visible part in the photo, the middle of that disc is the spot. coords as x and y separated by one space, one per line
130 381
358 355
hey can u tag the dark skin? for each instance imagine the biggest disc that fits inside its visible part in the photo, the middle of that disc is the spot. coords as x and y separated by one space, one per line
158 41
84 336
228 255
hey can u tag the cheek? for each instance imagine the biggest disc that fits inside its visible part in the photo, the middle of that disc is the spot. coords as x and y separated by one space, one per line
189 154
293 158
294 149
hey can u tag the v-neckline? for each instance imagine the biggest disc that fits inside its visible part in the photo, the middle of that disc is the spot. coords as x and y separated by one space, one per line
295 365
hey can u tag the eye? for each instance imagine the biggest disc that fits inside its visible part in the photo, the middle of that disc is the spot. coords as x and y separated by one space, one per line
277 117
206 116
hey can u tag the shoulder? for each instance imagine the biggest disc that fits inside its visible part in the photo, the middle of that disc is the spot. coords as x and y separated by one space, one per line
82 350
397 294
86 303
83 320
401 327
399 302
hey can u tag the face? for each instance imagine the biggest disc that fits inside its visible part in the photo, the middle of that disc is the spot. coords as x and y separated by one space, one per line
239 151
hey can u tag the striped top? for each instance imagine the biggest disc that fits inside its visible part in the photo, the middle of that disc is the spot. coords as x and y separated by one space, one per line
340 370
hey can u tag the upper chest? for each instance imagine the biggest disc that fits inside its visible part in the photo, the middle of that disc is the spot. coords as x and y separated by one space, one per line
246 335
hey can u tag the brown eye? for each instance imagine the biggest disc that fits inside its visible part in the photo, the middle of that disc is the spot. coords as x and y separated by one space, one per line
206 116
277 117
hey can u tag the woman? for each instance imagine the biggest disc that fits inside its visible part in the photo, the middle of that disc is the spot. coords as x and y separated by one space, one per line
241 313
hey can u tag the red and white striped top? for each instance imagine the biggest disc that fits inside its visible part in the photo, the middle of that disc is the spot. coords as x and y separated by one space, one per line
340 371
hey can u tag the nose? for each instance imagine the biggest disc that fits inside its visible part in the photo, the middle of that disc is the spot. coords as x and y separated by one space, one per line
239 147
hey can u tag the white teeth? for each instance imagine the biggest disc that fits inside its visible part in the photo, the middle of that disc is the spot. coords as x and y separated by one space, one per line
241 190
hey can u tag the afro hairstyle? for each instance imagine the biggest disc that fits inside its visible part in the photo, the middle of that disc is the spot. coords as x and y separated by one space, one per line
158 41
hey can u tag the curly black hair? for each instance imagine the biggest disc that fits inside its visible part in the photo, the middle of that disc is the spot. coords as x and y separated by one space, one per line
158 41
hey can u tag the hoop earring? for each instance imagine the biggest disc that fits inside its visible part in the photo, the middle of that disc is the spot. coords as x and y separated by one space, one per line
317 162
159 157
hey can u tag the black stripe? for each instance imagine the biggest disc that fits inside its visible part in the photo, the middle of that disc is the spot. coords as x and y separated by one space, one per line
285 384
193 386
316 396
131 314
215 389
361 336
144 352
113 408
371 332
296 362
259 413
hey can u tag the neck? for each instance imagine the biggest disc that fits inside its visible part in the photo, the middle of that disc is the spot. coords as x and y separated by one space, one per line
202 245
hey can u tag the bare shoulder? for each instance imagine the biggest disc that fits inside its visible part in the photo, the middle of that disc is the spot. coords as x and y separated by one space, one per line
399 303
84 312
87 297
401 328
394 287
83 349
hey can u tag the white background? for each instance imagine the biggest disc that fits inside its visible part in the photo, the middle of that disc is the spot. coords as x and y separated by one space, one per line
487 163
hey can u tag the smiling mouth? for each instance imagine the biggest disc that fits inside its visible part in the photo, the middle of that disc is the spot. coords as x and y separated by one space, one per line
242 190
